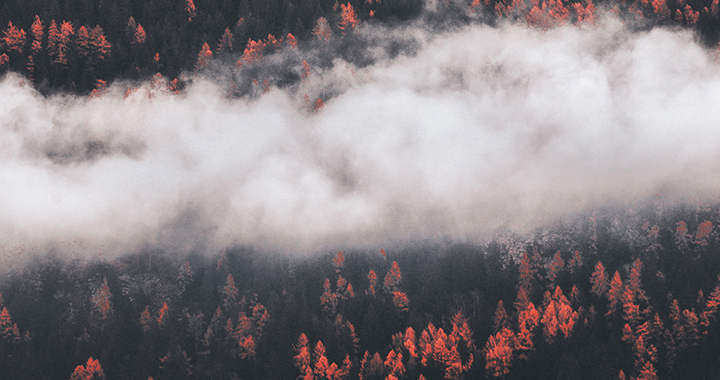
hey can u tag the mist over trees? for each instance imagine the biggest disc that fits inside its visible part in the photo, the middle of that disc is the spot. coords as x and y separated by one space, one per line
80 46
613 293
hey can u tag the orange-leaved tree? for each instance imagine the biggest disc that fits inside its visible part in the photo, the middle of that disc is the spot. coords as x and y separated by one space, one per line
291 40
101 300
8 330
139 36
599 281
615 293
321 30
554 268
528 320
230 292
90 371
190 8
14 38
500 319
348 18
204 56
499 353
315 365
225 44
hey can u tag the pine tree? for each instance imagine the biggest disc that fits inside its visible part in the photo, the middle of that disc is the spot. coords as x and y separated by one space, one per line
703 232
130 28
460 340
634 283
190 8
372 277
615 293
8 329
306 71
53 40
185 274
599 281
225 43
647 372
392 278
303 360
521 299
230 292
558 315
31 67
99 45
90 371
621 375
321 31
681 232
499 353
709 313
204 56
576 262
82 41
58 42
400 300
329 299
36 30
101 300
567 317
145 319
291 40
393 364
162 313
14 39
321 362
409 342
500 320
348 18
555 267
252 53
139 35
338 260
528 272
528 320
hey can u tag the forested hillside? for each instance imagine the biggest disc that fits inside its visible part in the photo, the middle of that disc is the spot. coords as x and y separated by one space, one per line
613 294
375 189
81 45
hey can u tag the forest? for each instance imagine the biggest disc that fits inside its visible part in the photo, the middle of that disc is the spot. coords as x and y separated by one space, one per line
617 290
616 293
79 46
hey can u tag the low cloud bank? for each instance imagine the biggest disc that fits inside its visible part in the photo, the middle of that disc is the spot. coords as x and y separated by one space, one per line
478 129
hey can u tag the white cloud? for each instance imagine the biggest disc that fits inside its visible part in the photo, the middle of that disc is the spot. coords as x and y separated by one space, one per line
481 128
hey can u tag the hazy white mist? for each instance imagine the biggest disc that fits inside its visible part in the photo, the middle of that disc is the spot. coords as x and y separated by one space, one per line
481 128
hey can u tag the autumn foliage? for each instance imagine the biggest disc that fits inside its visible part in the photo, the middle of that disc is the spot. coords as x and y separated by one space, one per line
463 313
101 300
204 56
8 330
90 371
321 31
348 18
313 363
74 45
14 39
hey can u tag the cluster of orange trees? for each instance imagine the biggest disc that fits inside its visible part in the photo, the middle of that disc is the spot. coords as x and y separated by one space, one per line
73 47
610 295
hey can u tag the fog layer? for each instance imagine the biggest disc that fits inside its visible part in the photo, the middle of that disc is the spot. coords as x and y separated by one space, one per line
481 128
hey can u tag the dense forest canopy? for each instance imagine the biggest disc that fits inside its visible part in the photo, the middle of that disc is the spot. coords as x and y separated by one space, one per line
609 294
378 189
79 46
